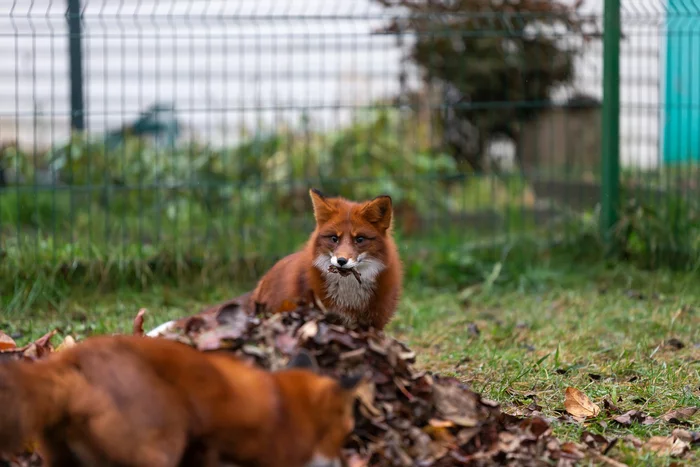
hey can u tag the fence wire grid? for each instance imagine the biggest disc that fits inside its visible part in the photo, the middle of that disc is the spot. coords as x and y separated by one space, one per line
141 126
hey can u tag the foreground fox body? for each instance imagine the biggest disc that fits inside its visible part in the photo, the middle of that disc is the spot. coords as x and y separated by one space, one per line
138 401
348 235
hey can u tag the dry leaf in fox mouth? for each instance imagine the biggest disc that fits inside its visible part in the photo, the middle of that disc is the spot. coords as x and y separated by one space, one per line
579 405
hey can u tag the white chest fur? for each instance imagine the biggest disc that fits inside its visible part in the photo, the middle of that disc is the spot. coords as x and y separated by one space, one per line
345 292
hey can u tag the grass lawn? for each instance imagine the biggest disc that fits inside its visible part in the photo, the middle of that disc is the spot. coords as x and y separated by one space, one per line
604 331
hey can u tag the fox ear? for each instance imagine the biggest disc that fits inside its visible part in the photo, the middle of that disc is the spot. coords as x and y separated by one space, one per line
349 385
350 382
303 360
378 212
323 210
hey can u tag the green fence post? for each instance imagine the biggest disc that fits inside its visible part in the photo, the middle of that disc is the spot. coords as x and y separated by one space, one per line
610 186
76 65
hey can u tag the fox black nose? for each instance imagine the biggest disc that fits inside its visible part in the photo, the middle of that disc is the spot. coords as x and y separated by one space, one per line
342 261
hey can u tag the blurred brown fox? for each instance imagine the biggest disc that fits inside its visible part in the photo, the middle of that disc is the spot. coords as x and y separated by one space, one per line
139 401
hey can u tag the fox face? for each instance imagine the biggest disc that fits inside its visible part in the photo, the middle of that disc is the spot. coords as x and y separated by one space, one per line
351 235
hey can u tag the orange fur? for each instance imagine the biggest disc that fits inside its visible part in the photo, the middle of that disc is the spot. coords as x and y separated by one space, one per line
138 401
358 232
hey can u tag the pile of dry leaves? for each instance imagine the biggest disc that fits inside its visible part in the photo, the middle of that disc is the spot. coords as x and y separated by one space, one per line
405 417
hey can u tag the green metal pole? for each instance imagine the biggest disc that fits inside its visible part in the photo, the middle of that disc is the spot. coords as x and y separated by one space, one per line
76 65
610 186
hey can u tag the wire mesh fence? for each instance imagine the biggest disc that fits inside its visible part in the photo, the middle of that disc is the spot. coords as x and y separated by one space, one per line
202 124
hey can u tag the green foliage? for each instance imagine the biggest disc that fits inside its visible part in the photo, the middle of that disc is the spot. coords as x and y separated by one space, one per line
660 233
265 170
499 61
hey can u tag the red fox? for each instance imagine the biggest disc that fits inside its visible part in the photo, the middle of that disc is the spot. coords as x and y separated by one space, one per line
350 262
138 401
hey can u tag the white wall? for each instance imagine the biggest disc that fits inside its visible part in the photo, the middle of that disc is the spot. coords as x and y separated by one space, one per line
252 61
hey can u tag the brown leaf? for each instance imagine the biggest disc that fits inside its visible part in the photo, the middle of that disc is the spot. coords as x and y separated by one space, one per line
308 331
633 440
440 434
632 416
538 426
679 415
353 354
456 405
595 441
6 342
571 451
221 336
286 343
579 405
610 406
690 437
137 327
365 394
355 460
602 458
667 445
67 343
40 347
45 341
31 352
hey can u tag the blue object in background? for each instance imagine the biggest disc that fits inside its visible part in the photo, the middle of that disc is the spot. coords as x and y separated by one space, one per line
681 126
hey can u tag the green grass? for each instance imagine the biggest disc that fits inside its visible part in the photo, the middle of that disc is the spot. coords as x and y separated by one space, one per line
596 328
601 331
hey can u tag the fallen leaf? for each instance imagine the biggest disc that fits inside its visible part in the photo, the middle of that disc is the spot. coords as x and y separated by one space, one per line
356 460
633 440
137 327
221 336
456 405
691 437
571 451
604 459
579 405
6 342
352 354
440 423
365 394
610 406
441 434
667 445
308 330
632 416
285 343
595 441
679 415
67 343
44 341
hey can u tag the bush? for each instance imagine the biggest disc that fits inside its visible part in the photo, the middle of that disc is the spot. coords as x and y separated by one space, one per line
266 173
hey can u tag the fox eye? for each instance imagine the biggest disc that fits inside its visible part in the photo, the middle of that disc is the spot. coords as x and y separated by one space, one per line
359 239
334 238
